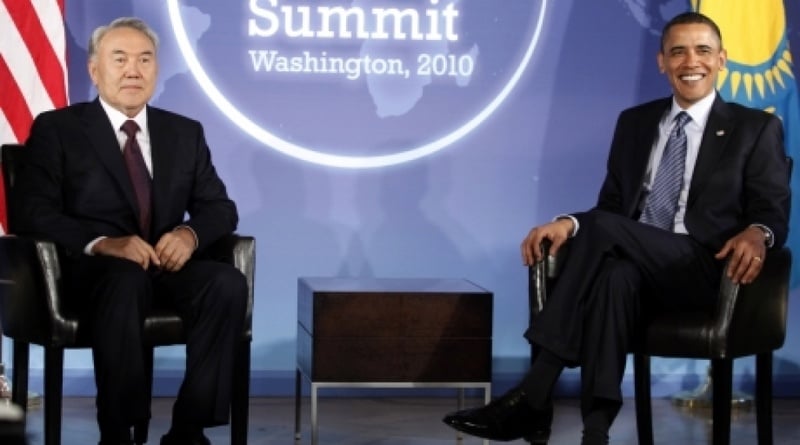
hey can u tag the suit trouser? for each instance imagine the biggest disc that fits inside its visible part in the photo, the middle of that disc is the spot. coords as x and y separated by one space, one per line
113 296
618 270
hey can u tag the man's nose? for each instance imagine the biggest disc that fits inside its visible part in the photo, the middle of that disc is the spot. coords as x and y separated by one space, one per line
132 71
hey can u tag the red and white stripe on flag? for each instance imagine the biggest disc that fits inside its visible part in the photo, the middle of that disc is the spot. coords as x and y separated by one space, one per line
33 68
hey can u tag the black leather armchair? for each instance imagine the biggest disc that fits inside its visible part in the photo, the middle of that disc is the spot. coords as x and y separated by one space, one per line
748 320
32 312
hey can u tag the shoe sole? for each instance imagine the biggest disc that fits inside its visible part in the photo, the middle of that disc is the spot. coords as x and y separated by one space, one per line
538 438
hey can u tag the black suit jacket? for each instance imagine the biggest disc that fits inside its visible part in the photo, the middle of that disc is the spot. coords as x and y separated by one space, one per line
741 176
75 186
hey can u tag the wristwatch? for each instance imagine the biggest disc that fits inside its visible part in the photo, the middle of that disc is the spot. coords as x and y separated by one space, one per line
768 238
767 235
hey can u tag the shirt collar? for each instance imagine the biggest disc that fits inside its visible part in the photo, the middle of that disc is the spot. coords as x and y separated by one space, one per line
117 118
699 111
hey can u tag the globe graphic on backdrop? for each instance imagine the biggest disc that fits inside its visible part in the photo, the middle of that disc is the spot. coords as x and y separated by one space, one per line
392 97
441 83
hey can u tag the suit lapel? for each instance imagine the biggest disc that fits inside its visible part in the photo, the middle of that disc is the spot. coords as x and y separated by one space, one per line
104 142
718 129
164 158
646 134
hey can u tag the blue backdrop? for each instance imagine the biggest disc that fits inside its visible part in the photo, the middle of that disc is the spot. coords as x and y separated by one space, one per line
423 141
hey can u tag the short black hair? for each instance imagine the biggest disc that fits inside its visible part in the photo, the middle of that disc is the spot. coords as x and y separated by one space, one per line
687 18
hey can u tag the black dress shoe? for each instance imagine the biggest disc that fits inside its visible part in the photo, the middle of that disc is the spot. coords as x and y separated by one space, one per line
172 438
508 418
540 430
539 433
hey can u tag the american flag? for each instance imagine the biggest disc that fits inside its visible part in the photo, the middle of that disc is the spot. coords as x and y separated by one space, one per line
33 68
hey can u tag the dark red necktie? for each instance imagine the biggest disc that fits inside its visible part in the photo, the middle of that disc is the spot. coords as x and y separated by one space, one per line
140 177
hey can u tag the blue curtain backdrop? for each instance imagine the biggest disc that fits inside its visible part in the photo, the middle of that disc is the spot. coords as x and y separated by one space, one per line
472 123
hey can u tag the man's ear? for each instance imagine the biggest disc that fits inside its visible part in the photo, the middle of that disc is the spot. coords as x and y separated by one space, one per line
91 67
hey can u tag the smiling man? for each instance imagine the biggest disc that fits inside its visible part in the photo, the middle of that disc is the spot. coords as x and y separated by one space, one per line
111 182
691 181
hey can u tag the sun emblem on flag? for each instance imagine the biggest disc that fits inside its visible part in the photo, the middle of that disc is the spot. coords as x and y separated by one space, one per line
759 67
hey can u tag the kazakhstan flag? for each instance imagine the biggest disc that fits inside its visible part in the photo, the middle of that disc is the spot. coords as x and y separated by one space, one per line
760 74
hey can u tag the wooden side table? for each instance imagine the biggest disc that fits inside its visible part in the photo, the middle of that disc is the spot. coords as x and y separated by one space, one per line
392 333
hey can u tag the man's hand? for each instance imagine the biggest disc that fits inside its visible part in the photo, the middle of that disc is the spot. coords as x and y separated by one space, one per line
175 248
130 248
747 253
557 232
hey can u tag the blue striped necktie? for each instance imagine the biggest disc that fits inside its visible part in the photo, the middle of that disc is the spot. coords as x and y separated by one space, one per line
662 201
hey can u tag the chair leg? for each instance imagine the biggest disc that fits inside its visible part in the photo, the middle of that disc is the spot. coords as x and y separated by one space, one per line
644 409
240 399
764 398
53 389
19 381
722 378
141 428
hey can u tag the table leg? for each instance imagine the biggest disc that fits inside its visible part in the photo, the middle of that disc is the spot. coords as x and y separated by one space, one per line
297 403
314 430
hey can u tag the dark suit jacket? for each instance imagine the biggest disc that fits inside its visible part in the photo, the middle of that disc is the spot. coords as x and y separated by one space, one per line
75 186
741 175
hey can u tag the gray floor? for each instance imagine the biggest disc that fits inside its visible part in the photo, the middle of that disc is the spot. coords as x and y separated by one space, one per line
416 421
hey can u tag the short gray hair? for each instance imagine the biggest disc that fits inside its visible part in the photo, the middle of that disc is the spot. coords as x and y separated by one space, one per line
122 22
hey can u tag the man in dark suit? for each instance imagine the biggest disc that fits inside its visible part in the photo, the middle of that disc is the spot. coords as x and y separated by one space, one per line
651 234
111 182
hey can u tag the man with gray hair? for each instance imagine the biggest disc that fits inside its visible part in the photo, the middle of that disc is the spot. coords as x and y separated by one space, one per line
110 182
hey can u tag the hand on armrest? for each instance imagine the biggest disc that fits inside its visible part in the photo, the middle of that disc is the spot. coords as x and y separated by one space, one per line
746 253
556 232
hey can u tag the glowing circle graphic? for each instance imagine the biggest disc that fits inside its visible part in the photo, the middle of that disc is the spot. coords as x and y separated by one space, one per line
333 160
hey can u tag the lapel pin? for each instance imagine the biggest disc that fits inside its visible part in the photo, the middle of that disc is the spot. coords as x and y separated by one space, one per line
720 132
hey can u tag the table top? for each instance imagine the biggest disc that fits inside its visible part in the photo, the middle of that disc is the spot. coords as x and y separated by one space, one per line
383 285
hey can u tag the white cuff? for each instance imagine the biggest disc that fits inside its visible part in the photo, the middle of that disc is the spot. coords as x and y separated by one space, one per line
575 227
88 249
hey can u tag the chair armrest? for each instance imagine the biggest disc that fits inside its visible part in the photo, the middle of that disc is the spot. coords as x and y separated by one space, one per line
239 251
762 303
728 330
30 293
542 274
